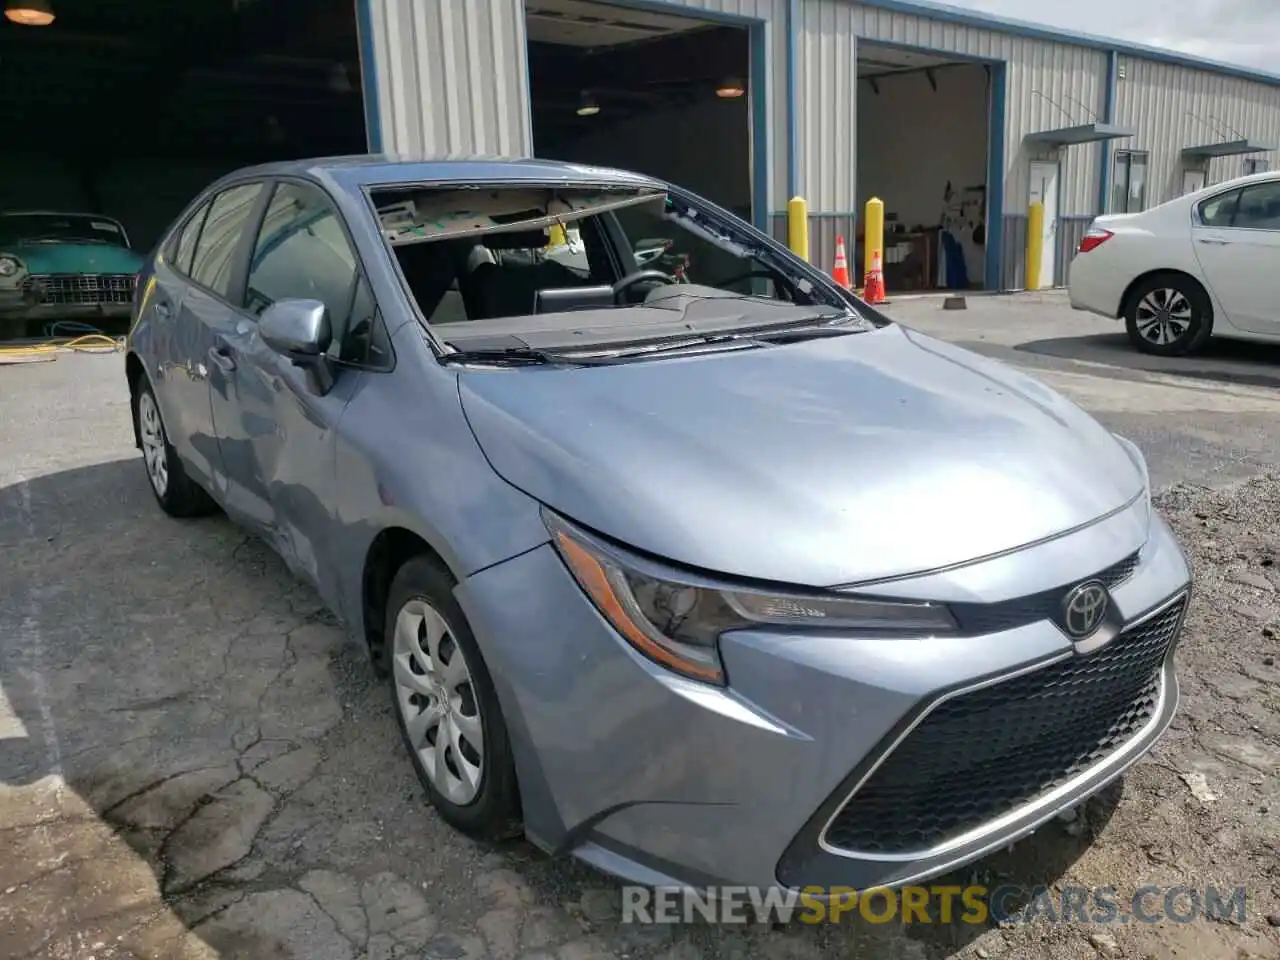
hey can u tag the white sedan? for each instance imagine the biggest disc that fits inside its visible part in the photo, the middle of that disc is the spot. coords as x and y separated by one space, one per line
1207 263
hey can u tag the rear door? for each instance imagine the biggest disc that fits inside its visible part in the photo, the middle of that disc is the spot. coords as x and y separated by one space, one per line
1237 242
284 433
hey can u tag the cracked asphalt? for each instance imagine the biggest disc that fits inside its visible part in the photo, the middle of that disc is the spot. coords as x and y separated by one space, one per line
195 762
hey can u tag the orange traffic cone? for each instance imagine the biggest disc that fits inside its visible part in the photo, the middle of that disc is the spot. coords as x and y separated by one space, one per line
874 286
840 273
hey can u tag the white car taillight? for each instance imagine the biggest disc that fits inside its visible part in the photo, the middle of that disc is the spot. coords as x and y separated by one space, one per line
1093 238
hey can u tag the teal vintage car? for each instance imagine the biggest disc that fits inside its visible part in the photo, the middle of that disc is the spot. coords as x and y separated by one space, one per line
63 266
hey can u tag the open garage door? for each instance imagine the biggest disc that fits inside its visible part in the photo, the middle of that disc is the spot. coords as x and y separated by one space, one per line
123 109
664 95
923 134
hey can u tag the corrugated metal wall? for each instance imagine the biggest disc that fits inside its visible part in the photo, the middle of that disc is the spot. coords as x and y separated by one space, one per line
1174 107
827 106
452 77
1049 85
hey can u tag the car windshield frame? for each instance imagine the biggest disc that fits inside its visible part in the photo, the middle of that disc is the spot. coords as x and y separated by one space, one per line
750 245
48 226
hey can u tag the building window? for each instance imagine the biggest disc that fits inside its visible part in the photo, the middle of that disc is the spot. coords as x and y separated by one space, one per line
1255 165
1129 182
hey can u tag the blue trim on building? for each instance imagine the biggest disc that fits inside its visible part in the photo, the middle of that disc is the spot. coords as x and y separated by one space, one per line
368 76
793 84
1022 28
1108 116
995 178
761 148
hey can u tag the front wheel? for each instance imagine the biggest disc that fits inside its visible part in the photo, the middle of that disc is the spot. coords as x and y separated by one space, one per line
1169 315
447 707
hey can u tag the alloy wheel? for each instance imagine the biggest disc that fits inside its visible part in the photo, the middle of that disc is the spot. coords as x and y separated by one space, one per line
154 452
436 699
1164 316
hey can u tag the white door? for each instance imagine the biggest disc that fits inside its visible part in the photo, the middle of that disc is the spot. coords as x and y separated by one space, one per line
1192 180
1044 189
1237 241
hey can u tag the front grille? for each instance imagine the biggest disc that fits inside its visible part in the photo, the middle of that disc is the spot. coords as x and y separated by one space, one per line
79 289
979 618
983 754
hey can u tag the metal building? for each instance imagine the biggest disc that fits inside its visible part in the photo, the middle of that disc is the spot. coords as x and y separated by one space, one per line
1085 124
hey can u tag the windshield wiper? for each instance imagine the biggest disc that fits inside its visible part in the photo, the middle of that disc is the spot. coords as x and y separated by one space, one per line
518 356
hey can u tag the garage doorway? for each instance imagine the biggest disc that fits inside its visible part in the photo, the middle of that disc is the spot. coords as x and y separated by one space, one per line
658 92
124 109
923 148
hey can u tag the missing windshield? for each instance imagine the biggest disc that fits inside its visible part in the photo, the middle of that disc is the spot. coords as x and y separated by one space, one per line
553 265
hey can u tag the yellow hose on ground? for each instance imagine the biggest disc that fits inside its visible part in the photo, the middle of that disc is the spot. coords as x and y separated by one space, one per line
48 349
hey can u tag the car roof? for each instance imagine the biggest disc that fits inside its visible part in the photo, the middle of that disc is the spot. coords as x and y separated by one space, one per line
380 169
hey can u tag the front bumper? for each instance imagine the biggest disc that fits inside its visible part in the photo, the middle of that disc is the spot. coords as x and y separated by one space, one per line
68 297
668 782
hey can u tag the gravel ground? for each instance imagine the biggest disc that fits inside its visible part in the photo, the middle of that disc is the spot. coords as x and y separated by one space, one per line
194 763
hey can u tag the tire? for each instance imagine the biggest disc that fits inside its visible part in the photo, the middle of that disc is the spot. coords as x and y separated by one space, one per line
1171 306
177 494
474 790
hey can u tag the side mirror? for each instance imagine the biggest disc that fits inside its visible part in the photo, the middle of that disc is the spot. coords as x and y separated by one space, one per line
299 330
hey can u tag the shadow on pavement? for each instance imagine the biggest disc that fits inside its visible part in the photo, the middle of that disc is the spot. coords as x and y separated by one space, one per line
1225 361
202 707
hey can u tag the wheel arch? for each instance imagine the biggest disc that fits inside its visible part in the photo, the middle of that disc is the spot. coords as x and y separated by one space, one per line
387 553
135 372
1136 284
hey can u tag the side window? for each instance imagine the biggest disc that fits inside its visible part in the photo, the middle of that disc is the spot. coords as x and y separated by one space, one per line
302 253
223 228
366 342
185 247
1259 207
1218 211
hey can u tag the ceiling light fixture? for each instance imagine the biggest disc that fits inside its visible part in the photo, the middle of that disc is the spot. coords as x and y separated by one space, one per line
588 106
29 13
731 88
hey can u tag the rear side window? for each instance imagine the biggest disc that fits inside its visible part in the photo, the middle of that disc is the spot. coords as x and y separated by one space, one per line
223 227
185 247
1220 210
301 252
1259 207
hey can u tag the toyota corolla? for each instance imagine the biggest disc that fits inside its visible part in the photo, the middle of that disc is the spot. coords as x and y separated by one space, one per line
693 567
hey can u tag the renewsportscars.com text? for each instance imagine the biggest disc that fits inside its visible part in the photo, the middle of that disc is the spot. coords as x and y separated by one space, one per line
973 904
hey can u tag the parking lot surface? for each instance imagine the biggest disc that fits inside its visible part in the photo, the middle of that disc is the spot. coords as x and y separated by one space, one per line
196 763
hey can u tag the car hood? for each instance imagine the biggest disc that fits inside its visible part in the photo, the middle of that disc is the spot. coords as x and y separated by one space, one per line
42 258
822 463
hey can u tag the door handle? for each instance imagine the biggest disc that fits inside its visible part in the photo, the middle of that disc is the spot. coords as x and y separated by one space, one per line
162 310
1216 241
222 358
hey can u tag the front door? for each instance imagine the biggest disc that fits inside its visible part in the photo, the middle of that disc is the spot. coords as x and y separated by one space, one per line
300 252
1044 190
1237 241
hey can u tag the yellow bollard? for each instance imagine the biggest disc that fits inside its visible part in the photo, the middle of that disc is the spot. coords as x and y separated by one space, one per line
873 239
798 227
1035 244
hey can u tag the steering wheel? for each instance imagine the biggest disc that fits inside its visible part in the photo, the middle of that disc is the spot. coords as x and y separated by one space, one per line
639 276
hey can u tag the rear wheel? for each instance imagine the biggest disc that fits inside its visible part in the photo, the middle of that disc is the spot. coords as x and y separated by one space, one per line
177 494
1169 315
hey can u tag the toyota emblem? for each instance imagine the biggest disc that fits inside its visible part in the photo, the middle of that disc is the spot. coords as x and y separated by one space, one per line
1084 608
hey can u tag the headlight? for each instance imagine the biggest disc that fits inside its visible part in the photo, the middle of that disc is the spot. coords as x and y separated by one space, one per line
677 621
8 266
